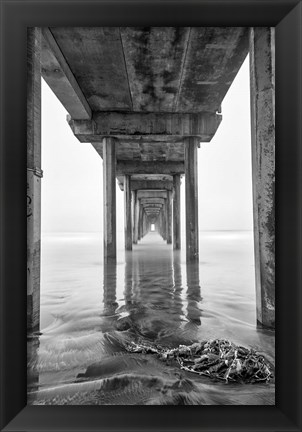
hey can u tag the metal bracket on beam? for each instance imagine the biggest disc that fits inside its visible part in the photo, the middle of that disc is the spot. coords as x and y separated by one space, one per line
37 171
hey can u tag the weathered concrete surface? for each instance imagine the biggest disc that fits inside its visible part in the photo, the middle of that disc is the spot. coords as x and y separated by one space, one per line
152 212
154 206
204 125
153 69
170 168
109 197
140 216
151 194
34 175
60 78
128 215
191 180
146 150
169 217
151 184
148 181
213 59
152 201
95 56
262 76
134 216
176 212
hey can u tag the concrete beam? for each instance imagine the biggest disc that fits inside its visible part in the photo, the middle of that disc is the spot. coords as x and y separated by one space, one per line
159 167
109 196
58 75
151 184
34 175
159 206
152 201
151 194
192 234
262 79
147 181
147 125
152 212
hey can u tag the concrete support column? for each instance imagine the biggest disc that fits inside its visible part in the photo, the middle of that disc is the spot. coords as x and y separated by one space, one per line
34 175
262 80
140 217
133 201
192 235
164 221
176 212
128 215
169 217
109 289
109 184
158 223
136 218
144 224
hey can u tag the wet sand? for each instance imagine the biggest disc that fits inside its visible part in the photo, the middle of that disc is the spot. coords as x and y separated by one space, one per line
88 312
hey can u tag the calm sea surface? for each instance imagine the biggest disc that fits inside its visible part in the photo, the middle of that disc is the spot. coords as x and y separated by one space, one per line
88 312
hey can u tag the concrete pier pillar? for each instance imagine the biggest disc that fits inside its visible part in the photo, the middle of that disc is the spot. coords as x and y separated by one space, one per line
128 215
134 217
109 196
144 224
176 212
34 174
169 217
164 221
192 234
262 82
109 288
140 217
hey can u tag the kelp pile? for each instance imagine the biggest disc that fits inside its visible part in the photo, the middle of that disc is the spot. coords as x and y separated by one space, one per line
218 359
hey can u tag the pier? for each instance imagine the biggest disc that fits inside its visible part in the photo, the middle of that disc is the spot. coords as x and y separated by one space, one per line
145 98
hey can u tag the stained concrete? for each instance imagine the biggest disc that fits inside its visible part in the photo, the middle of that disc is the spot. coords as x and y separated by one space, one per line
109 197
153 69
262 76
176 212
128 214
34 175
191 184
147 126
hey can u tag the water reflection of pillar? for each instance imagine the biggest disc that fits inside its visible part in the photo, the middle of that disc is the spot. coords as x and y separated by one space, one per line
110 303
193 293
128 281
177 285
135 280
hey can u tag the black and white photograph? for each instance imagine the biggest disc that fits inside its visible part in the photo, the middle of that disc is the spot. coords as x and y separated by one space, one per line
151 215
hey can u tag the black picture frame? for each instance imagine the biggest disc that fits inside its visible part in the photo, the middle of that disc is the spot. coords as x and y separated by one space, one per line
16 16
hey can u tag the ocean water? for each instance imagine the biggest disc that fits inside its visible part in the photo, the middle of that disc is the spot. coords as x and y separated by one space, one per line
151 294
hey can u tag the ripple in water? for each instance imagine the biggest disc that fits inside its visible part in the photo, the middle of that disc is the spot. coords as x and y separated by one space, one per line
88 312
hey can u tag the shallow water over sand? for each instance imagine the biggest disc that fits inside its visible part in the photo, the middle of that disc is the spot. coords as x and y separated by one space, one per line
88 312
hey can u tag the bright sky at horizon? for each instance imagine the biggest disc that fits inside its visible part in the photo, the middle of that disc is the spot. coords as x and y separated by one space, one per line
72 190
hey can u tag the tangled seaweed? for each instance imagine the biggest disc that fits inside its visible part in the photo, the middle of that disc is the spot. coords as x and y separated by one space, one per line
218 359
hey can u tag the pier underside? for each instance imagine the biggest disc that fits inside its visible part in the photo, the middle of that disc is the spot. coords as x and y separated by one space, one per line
145 98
